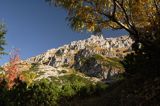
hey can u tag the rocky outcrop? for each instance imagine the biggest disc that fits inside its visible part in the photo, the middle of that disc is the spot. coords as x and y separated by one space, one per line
99 66
109 47
80 55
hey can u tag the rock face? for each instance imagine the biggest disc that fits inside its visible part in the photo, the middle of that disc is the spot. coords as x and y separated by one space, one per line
95 56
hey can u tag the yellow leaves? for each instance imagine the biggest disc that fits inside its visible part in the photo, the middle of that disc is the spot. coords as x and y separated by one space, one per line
91 26
28 77
91 14
104 25
143 13
119 15
84 12
113 25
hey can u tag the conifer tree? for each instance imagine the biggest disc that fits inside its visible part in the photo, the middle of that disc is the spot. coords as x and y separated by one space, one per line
2 38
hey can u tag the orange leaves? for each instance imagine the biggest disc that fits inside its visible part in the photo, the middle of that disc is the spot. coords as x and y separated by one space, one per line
12 70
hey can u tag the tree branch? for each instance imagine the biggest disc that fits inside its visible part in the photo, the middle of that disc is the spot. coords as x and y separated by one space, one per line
113 19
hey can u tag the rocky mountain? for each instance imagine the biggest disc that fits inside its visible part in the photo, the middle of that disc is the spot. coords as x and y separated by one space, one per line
95 57
109 47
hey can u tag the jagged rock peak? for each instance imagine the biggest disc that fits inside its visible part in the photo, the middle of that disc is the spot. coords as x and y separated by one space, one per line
109 47
95 56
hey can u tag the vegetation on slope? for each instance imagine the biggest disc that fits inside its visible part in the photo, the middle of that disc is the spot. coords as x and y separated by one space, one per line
48 92
139 87
136 91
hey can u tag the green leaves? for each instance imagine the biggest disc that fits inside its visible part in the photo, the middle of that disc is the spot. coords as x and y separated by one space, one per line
49 92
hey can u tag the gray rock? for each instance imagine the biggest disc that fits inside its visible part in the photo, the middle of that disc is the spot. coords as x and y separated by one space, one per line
73 53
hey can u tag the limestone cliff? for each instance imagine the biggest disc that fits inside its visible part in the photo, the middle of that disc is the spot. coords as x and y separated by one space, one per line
96 56
108 47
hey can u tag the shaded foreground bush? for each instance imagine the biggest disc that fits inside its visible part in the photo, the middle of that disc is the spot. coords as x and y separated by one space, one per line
48 93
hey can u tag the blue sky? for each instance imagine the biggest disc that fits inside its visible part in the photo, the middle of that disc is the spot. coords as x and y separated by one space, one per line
34 27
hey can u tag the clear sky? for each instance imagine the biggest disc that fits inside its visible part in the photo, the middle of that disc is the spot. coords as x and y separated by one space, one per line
34 27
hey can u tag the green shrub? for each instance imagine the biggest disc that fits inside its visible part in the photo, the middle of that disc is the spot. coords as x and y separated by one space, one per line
48 92
65 65
35 66
100 87
67 90
45 93
98 57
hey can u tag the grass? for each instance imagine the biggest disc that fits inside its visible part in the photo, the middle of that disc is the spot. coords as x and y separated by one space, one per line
106 61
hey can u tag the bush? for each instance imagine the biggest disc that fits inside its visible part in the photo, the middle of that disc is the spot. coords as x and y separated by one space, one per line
73 84
47 92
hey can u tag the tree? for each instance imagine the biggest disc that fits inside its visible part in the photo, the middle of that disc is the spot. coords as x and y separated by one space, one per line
141 18
2 38
12 71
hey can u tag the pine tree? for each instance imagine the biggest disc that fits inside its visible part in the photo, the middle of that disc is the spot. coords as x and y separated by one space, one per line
2 39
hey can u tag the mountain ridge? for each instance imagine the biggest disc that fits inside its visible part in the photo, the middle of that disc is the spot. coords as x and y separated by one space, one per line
96 56
107 43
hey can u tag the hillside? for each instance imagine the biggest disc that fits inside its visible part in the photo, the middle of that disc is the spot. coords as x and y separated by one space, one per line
99 59
88 72
139 90
96 57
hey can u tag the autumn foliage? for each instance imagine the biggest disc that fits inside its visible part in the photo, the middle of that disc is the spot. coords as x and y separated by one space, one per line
140 18
12 70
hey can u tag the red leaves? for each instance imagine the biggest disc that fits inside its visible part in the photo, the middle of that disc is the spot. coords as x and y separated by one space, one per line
12 70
